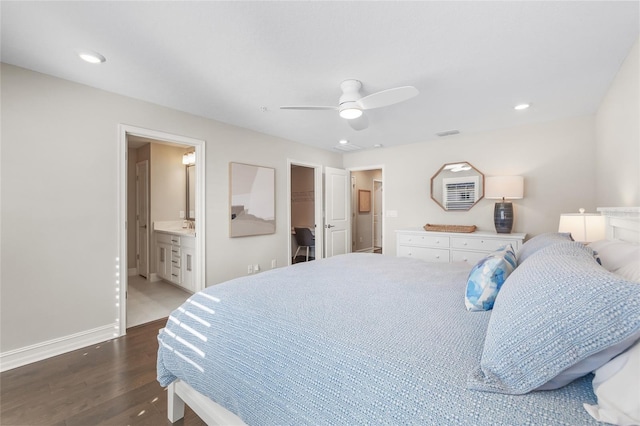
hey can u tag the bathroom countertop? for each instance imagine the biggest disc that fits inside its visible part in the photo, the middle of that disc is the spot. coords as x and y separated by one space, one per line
173 227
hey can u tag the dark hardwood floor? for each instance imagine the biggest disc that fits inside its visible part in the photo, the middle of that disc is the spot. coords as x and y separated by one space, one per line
112 383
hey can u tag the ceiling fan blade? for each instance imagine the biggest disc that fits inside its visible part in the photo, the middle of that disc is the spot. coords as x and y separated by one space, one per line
387 97
359 123
311 108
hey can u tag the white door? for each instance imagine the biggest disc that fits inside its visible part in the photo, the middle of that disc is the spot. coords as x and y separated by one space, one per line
337 220
377 211
142 218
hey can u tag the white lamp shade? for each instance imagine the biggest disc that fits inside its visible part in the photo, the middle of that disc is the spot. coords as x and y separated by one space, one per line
507 187
584 227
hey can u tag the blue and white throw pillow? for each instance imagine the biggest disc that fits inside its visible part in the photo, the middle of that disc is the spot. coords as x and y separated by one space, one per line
559 316
486 278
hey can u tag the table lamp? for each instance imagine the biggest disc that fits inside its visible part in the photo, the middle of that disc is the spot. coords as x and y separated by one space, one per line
503 188
584 227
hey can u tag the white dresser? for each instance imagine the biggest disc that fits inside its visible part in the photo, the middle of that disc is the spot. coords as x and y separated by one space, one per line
451 246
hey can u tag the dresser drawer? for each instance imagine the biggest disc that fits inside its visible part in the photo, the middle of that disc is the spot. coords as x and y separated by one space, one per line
424 240
425 253
483 244
471 257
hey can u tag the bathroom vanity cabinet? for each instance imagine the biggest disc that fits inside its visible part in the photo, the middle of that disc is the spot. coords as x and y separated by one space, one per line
175 259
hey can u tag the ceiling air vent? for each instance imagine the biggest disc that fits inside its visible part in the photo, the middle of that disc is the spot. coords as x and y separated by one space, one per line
448 133
347 147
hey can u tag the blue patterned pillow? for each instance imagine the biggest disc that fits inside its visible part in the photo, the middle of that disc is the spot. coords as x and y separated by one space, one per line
486 278
558 310
541 241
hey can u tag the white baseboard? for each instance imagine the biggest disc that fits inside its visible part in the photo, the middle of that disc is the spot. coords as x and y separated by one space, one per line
28 354
153 277
132 272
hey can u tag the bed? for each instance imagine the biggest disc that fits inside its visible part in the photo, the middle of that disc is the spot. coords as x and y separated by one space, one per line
373 339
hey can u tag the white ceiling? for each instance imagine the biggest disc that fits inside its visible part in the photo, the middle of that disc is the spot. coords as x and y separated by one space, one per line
471 61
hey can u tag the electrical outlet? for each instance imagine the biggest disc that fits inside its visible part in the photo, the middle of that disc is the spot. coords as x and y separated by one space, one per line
181 214
256 268
274 263
249 269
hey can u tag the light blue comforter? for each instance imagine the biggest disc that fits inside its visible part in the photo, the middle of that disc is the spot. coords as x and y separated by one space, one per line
353 339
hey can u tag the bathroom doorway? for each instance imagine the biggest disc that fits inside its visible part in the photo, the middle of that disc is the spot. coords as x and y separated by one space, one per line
153 190
367 221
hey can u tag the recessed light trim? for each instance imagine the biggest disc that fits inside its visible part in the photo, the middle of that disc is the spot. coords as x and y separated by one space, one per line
521 107
91 56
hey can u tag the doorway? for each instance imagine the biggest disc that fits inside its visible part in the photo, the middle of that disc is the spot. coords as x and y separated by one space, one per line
304 206
367 201
136 216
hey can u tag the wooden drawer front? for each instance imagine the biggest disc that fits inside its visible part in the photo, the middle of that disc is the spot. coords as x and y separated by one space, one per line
484 244
175 240
424 240
175 261
424 253
471 257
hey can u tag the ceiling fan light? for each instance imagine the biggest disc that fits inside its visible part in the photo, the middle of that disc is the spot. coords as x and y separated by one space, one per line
350 113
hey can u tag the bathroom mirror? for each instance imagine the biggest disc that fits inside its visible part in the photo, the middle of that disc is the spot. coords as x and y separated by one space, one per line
252 200
457 186
190 207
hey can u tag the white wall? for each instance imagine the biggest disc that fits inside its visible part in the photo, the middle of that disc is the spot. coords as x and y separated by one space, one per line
59 206
557 160
618 137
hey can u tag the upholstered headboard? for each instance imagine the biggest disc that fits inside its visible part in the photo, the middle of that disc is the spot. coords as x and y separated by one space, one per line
622 223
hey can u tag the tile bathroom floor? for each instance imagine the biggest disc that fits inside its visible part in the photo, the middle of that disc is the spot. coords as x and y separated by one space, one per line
148 301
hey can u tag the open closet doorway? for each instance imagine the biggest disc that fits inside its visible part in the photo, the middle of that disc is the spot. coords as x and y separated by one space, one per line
161 222
366 210
305 211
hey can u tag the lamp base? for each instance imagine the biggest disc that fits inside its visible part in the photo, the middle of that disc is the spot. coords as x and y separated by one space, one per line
503 217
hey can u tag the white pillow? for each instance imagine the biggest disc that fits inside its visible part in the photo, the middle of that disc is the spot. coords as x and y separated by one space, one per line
630 271
616 254
617 386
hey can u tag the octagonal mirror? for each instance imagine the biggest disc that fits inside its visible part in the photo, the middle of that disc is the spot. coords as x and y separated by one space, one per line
457 186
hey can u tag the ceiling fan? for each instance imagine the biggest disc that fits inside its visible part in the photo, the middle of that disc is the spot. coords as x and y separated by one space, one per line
351 104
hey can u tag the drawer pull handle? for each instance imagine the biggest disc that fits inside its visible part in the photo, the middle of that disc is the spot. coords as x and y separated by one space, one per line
438 257
464 244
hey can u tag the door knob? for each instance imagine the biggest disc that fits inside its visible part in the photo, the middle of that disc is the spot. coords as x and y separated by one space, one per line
330 226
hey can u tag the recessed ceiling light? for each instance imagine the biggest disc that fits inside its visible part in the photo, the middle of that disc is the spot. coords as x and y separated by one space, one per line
90 56
378 145
521 107
343 141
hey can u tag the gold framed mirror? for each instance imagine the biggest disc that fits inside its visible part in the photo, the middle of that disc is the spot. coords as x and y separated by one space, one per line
457 186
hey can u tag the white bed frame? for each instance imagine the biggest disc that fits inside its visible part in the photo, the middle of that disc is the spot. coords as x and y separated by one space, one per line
622 223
